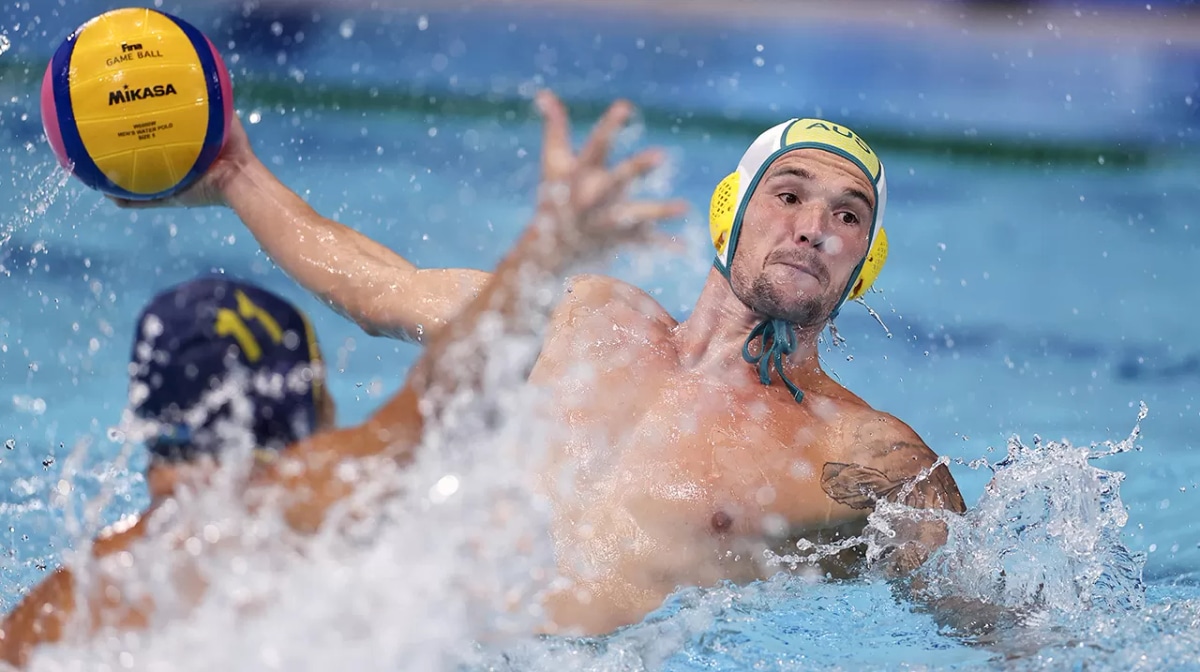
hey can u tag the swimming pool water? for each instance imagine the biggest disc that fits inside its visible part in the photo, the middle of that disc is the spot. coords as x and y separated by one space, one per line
1022 299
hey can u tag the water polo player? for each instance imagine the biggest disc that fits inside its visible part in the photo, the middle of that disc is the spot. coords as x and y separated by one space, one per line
216 364
730 406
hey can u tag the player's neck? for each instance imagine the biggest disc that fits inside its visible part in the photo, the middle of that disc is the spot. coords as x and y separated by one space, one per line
717 329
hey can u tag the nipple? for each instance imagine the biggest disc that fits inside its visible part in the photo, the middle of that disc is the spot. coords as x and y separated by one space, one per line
721 521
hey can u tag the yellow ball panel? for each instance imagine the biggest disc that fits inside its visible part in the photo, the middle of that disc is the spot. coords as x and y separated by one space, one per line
150 170
140 99
118 145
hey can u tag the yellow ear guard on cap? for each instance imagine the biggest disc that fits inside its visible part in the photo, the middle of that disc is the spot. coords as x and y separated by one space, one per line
721 208
776 336
728 203
872 266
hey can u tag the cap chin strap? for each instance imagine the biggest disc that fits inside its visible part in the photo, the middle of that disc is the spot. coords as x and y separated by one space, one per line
782 337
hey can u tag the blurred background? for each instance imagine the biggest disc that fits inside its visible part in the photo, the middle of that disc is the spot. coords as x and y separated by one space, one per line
1042 188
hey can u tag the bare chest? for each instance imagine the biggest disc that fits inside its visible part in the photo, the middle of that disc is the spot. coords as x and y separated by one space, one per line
667 476
687 459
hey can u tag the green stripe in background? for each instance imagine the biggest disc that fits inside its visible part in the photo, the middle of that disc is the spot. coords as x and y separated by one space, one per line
273 92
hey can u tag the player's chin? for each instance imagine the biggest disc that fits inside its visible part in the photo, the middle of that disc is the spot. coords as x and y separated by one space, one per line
805 311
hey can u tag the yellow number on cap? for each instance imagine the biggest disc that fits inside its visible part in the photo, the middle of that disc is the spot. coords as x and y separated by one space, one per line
250 311
230 323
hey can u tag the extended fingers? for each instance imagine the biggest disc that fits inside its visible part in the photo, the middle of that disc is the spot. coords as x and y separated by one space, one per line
595 152
636 166
641 213
557 158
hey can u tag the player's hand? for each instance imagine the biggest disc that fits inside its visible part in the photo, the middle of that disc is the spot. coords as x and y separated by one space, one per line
582 201
209 189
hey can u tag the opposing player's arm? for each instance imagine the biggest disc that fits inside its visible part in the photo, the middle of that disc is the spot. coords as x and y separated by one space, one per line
889 462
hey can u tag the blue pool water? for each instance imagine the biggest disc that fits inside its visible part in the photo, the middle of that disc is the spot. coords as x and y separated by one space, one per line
1046 297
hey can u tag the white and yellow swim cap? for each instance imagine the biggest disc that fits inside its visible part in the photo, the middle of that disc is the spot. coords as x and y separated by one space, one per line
728 204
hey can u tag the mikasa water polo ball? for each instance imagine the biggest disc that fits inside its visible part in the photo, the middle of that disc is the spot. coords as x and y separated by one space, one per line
137 103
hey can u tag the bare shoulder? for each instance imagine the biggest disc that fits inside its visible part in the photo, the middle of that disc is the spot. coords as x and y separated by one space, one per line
39 617
120 535
883 458
603 293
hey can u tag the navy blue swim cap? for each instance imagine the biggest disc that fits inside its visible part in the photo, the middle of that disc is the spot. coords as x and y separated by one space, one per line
192 337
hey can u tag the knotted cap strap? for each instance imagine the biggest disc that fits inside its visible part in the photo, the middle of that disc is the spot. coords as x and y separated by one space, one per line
783 343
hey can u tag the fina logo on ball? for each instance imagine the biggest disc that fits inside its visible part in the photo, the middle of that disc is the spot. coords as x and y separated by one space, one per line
130 51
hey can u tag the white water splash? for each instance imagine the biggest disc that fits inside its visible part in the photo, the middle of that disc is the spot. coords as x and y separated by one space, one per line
1045 538
405 573
39 197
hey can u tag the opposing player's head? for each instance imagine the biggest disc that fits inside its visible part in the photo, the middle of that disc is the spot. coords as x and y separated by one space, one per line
217 361
798 226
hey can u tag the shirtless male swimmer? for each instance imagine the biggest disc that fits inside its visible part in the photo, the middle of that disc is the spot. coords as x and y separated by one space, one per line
193 337
687 450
